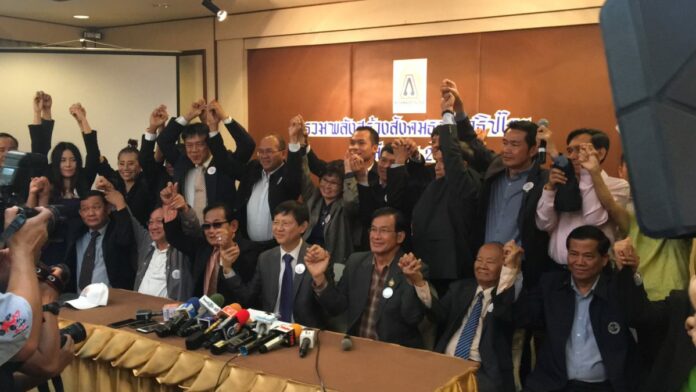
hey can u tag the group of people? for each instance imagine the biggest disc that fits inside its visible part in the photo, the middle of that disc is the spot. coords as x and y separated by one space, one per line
478 256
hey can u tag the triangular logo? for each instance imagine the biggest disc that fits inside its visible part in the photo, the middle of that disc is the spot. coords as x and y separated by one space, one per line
409 87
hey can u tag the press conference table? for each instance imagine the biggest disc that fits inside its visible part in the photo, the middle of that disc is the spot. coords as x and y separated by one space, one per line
124 360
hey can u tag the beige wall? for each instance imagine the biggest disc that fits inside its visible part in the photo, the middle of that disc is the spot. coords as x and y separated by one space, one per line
29 31
351 21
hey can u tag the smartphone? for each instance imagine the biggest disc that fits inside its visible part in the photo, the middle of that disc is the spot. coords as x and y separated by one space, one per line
141 323
148 328
122 323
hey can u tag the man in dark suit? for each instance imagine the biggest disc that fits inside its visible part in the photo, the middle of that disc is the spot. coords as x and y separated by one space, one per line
218 253
267 182
378 300
471 328
588 345
100 249
281 283
207 172
444 217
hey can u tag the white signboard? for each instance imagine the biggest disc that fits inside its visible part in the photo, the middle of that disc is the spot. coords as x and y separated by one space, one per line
410 82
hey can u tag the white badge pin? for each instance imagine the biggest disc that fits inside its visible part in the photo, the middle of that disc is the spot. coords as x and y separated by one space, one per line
300 269
490 308
212 170
528 186
387 292
176 274
614 328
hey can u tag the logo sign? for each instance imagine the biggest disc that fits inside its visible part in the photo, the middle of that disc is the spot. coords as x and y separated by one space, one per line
409 85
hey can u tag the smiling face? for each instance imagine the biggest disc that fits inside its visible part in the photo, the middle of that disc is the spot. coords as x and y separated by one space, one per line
216 226
330 186
361 144
488 264
584 260
128 166
155 226
197 148
383 235
68 164
286 231
269 153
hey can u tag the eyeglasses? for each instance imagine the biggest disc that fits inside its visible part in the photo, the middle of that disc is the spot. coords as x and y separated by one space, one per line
381 230
329 182
213 225
266 152
283 225
195 145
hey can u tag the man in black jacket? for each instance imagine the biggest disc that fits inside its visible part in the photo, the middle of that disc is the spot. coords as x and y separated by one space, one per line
207 172
101 249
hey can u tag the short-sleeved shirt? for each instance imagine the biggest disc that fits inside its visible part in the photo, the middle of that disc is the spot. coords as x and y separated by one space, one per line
15 325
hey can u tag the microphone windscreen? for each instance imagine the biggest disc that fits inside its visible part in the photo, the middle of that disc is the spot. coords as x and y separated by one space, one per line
242 316
298 330
193 301
236 306
543 122
218 299
346 343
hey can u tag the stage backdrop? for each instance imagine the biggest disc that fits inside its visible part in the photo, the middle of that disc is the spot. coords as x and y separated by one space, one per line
554 73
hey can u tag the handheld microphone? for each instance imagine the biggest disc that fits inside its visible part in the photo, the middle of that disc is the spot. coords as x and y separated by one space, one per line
183 313
287 338
346 343
264 321
199 336
208 305
279 329
308 339
542 144
146 314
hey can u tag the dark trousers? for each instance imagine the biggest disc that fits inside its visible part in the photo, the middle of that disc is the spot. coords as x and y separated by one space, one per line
581 386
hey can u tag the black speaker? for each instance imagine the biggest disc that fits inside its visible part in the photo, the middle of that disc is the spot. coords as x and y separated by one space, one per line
651 53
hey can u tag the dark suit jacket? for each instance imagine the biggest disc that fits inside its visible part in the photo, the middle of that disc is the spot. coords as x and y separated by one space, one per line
482 157
118 249
220 185
495 345
199 250
535 242
552 305
397 317
265 285
664 320
444 232
285 184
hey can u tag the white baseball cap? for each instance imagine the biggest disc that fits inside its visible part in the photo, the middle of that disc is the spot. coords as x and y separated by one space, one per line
96 294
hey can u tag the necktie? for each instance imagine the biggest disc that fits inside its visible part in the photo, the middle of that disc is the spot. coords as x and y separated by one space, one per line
467 336
199 196
211 273
88 261
286 292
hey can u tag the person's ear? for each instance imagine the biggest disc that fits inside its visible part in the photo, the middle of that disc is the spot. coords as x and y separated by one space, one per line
400 237
304 226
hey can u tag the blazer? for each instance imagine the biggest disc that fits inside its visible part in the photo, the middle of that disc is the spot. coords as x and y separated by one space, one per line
495 344
229 166
177 270
342 218
398 317
444 218
265 285
535 242
551 305
285 184
199 250
118 249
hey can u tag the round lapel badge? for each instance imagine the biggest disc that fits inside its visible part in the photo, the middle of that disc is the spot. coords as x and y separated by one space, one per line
387 292
212 170
300 269
528 186
614 328
176 274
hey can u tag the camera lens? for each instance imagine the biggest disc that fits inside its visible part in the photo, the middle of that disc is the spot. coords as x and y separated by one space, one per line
76 331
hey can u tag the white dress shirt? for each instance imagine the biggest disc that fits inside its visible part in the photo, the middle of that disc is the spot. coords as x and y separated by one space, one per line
259 219
155 280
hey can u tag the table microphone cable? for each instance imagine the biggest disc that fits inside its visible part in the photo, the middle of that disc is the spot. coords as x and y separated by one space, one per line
223 368
316 363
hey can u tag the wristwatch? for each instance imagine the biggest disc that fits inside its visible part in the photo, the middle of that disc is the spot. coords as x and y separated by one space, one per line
53 307
637 279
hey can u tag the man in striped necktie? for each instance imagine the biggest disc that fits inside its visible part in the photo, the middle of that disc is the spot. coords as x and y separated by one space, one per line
471 328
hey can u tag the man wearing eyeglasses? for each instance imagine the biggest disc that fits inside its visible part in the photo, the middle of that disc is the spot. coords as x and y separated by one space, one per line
377 298
268 181
207 172
218 253
281 283
100 249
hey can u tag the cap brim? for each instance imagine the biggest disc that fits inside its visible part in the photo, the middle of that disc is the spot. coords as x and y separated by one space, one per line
81 303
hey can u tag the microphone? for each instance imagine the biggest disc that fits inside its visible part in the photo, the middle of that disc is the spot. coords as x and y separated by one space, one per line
287 338
235 335
184 312
208 305
146 314
279 329
308 339
264 321
542 144
346 343
199 337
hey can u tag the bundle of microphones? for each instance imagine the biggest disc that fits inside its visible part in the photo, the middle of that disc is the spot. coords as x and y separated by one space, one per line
231 329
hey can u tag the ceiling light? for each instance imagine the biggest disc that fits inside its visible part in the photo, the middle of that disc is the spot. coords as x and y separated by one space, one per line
81 16
221 14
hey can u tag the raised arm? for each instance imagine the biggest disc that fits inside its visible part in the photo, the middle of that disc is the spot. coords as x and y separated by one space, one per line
91 145
244 142
589 158
168 138
41 130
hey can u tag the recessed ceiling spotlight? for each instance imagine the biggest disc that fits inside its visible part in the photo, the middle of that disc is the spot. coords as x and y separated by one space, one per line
81 16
